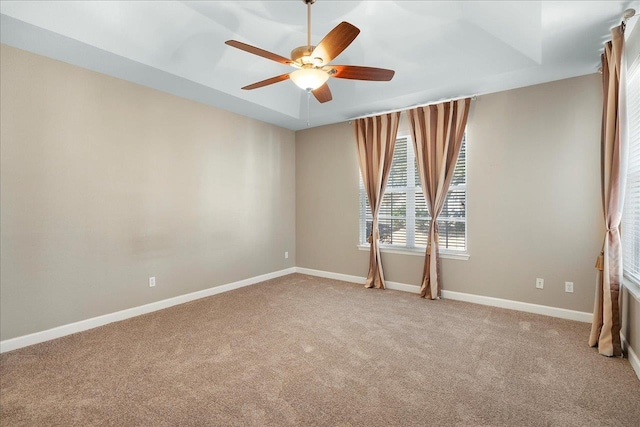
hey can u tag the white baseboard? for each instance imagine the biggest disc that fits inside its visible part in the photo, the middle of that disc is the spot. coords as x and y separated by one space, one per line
545 310
94 322
631 355
330 275
83 325
562 313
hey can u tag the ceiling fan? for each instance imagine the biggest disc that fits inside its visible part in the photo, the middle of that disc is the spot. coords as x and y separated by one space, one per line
311 62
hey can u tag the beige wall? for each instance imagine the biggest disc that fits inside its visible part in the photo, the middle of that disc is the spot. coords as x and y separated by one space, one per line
533 198
105 183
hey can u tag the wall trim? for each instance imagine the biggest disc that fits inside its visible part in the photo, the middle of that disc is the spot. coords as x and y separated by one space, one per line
94 322
631 355
330 275
545 310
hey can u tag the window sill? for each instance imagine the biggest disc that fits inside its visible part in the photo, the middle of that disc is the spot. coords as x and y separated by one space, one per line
632 287
417 252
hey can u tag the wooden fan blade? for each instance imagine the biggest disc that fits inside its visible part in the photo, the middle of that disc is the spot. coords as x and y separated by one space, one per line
258 51
335 42
267 82
323 93
356 72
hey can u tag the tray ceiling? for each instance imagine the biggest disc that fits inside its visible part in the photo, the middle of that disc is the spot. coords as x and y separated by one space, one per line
438 49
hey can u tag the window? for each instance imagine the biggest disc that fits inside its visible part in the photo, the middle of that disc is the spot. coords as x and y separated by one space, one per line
631 212
404 218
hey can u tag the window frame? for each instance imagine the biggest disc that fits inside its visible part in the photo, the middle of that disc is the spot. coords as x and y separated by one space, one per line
410 190
631 283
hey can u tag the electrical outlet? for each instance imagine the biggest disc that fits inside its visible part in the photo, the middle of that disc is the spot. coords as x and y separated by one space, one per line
540 283
286 255
568 287
152 282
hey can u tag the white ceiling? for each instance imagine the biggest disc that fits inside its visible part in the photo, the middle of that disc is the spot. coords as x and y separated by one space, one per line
439 49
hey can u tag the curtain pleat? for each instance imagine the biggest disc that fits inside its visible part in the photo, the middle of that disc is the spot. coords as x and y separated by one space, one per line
375 141
605 329
437 132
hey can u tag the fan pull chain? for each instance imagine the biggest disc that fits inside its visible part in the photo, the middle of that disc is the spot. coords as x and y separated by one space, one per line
308 100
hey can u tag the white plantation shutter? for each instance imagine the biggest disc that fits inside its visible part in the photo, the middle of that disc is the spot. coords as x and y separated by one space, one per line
404 218
631 213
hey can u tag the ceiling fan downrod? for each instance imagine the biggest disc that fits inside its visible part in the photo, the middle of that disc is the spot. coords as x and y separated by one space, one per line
302 54
309 3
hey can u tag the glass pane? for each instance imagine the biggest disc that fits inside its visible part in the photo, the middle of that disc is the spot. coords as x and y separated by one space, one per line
422 232
421 205
399 232
460 172
393 210
631 212
393 232
451 235
368 231
367 206
398 174
631 226
454 205
384 226
394 204
364 201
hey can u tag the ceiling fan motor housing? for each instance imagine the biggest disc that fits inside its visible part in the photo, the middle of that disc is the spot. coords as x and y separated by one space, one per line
302 55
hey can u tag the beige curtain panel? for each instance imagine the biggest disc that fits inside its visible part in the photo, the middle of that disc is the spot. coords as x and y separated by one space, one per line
605 329
437 132
375 140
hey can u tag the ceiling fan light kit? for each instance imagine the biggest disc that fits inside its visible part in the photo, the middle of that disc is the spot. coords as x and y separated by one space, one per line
309 78
311 62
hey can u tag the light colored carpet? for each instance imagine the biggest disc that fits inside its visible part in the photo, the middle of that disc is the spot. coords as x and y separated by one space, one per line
301 350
